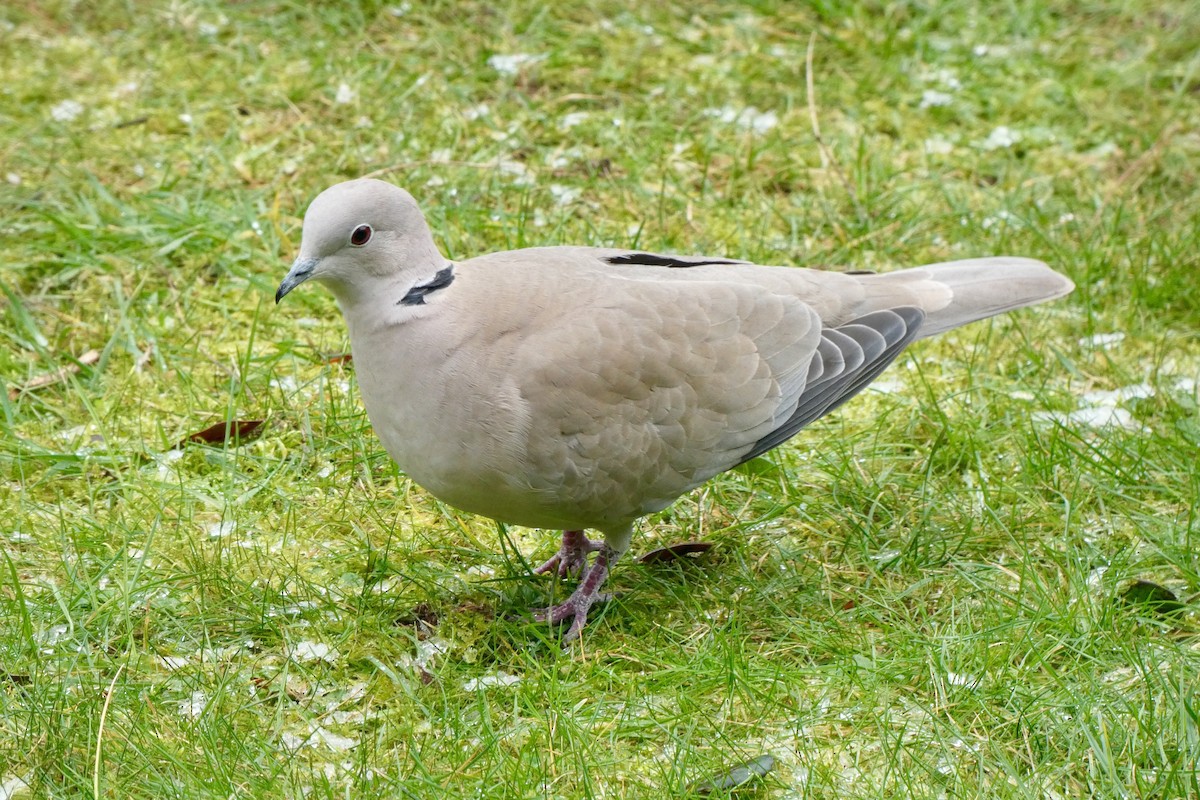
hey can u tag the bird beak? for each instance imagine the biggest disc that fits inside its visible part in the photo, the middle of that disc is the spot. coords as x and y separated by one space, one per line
302 270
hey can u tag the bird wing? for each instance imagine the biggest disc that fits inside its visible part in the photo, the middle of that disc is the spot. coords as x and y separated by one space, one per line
637 398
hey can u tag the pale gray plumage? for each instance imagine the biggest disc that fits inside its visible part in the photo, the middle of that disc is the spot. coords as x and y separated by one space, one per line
579 387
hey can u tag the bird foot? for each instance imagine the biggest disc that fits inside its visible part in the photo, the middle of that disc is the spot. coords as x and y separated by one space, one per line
586 595
571 556
577 606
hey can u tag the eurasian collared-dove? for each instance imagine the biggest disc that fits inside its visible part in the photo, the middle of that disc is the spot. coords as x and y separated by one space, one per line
583 387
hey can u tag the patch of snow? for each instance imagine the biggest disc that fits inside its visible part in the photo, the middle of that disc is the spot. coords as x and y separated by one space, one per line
193 707
572 119
565 195
333 741
426 650
291 741
932 98
488 681
748 118
997 220
13 786
219 530
66 111
936 145
476 112
1137 391
1001 137
1102 340
285 384
308 650
511 64
962 679
1093 417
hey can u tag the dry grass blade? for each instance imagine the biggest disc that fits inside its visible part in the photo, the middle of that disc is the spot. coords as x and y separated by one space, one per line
56 376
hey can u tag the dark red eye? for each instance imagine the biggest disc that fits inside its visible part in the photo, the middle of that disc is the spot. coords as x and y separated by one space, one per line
361 235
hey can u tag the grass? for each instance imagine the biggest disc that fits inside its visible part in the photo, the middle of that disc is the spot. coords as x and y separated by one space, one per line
923 595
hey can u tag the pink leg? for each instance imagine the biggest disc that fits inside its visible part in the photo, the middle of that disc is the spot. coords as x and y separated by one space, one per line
572 556
585 595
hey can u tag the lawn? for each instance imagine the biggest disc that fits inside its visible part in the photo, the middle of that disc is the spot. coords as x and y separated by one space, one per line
979 579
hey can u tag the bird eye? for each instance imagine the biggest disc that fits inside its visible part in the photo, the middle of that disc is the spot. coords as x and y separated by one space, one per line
361 235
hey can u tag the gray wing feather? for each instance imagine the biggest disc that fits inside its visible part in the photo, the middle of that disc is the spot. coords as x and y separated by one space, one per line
850 356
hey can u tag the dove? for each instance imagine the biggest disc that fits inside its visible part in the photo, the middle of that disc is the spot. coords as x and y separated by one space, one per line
582 388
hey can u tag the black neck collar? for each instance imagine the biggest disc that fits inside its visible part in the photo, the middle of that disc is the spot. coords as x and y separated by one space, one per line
416 295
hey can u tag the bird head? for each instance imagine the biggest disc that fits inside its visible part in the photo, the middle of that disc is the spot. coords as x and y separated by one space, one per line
359 236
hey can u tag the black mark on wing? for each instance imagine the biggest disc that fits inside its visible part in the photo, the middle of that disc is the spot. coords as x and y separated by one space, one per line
654 260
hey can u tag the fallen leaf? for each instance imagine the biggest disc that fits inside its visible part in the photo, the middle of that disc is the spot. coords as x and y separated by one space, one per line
235 431
1153 597
58 375
736 776
421 616
672 552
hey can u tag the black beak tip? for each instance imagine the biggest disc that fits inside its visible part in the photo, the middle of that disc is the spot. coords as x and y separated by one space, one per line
298 274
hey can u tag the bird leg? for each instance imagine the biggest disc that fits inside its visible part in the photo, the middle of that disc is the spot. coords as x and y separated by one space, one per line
585 595
572 556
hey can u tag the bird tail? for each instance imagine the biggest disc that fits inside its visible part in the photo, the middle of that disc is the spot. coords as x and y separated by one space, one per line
954 293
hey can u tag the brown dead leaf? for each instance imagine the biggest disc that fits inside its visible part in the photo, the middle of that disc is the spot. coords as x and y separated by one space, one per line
234 431
672 552
421 616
